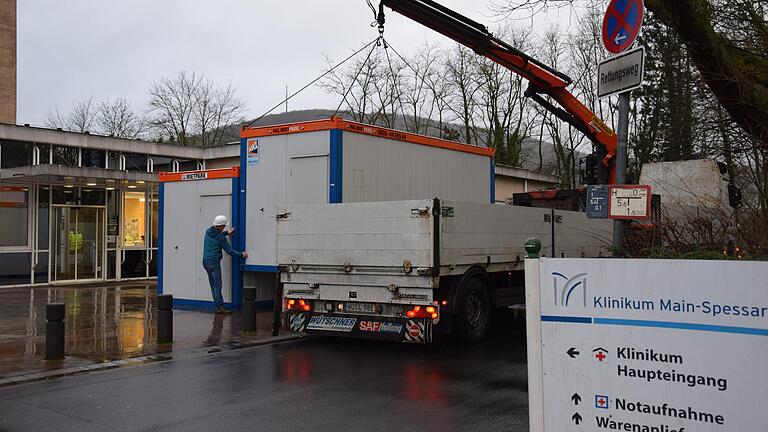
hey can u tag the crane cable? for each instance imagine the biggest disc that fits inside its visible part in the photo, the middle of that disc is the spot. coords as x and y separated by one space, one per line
314 81
359 71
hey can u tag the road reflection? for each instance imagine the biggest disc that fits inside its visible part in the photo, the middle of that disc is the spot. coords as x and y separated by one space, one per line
422 382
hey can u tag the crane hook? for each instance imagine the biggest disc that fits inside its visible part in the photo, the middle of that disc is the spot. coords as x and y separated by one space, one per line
380 19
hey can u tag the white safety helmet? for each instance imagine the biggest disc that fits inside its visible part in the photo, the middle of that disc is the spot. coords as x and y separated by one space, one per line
220 220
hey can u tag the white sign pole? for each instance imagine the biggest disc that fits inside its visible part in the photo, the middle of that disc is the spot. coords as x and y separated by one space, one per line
533 330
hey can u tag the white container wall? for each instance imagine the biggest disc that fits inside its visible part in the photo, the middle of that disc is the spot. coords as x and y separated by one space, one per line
335 161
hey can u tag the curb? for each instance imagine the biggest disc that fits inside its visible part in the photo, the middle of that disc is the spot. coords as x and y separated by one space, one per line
143 360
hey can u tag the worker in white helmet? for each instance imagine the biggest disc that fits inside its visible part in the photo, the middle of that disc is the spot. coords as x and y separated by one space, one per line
216 240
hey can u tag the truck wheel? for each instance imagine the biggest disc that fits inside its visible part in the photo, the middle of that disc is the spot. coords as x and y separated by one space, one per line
473 310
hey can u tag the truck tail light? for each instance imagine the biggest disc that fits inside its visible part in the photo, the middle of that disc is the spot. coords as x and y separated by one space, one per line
298 305
422 312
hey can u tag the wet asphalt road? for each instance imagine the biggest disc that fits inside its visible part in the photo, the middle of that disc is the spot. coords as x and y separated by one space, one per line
323 384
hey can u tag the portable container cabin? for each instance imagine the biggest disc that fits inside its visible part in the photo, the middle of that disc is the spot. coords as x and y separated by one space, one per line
339 161
189 201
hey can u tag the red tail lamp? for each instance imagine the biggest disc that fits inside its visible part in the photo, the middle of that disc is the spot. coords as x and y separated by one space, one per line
421 312
298 305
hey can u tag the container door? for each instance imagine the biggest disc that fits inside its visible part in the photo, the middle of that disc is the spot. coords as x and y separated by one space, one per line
210 207
182 239
308 180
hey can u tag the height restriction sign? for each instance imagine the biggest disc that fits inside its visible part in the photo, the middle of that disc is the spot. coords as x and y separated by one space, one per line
621 24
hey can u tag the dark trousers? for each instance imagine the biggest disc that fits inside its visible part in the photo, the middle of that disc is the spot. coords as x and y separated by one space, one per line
214 278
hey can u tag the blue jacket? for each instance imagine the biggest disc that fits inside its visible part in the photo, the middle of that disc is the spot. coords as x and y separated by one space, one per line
214 242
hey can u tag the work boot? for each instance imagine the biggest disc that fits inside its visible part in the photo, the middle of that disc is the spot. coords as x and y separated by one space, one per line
221 310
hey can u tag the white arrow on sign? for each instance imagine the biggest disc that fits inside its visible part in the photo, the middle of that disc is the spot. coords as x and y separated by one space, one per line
620 37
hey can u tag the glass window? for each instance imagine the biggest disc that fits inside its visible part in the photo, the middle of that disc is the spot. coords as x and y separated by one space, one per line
93 158
91 196
187 165
44 151
113 218
111 264
135 162
43 216
155 217
64 195
15 154
113 160
14 215
65 156
15 268
162 164
134 222
153 264
41 269
134 265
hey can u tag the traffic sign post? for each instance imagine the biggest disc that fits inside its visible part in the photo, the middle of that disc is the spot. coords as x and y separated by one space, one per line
622 73
621 26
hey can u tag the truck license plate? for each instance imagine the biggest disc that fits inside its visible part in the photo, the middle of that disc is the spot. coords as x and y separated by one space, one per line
358 307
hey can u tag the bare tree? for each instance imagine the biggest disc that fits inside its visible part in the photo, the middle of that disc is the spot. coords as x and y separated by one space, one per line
461 72
216 108
80 118
117 118
171 105
191 110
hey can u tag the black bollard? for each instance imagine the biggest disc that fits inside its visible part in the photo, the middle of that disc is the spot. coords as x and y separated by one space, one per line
164 319
249 309
54 331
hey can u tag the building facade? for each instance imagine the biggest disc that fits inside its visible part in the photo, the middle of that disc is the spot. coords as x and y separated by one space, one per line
510 181
7 61
78 208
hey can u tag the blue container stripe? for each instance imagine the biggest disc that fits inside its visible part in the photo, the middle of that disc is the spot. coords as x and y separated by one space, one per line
336 164
160 223
683 326
566 319
241 195
235 263
493 181
195 304
260 268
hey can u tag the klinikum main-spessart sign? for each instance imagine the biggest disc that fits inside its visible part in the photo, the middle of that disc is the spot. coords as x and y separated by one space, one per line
647 345
621 73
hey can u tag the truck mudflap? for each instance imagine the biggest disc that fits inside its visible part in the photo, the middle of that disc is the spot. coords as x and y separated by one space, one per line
360 326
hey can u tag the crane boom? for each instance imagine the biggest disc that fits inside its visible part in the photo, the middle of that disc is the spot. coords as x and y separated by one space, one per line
543 80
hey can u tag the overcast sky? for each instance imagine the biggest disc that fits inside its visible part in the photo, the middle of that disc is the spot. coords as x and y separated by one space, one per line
71 50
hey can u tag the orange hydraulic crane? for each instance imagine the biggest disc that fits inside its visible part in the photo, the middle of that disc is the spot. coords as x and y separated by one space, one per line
543 79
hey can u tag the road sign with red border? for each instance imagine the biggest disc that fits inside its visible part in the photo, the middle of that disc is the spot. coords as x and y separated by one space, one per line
621 24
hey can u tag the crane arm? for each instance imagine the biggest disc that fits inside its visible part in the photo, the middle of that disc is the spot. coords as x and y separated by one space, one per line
543 80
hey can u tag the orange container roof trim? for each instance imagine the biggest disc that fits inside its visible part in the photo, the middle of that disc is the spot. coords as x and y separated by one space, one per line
200 175
362 128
